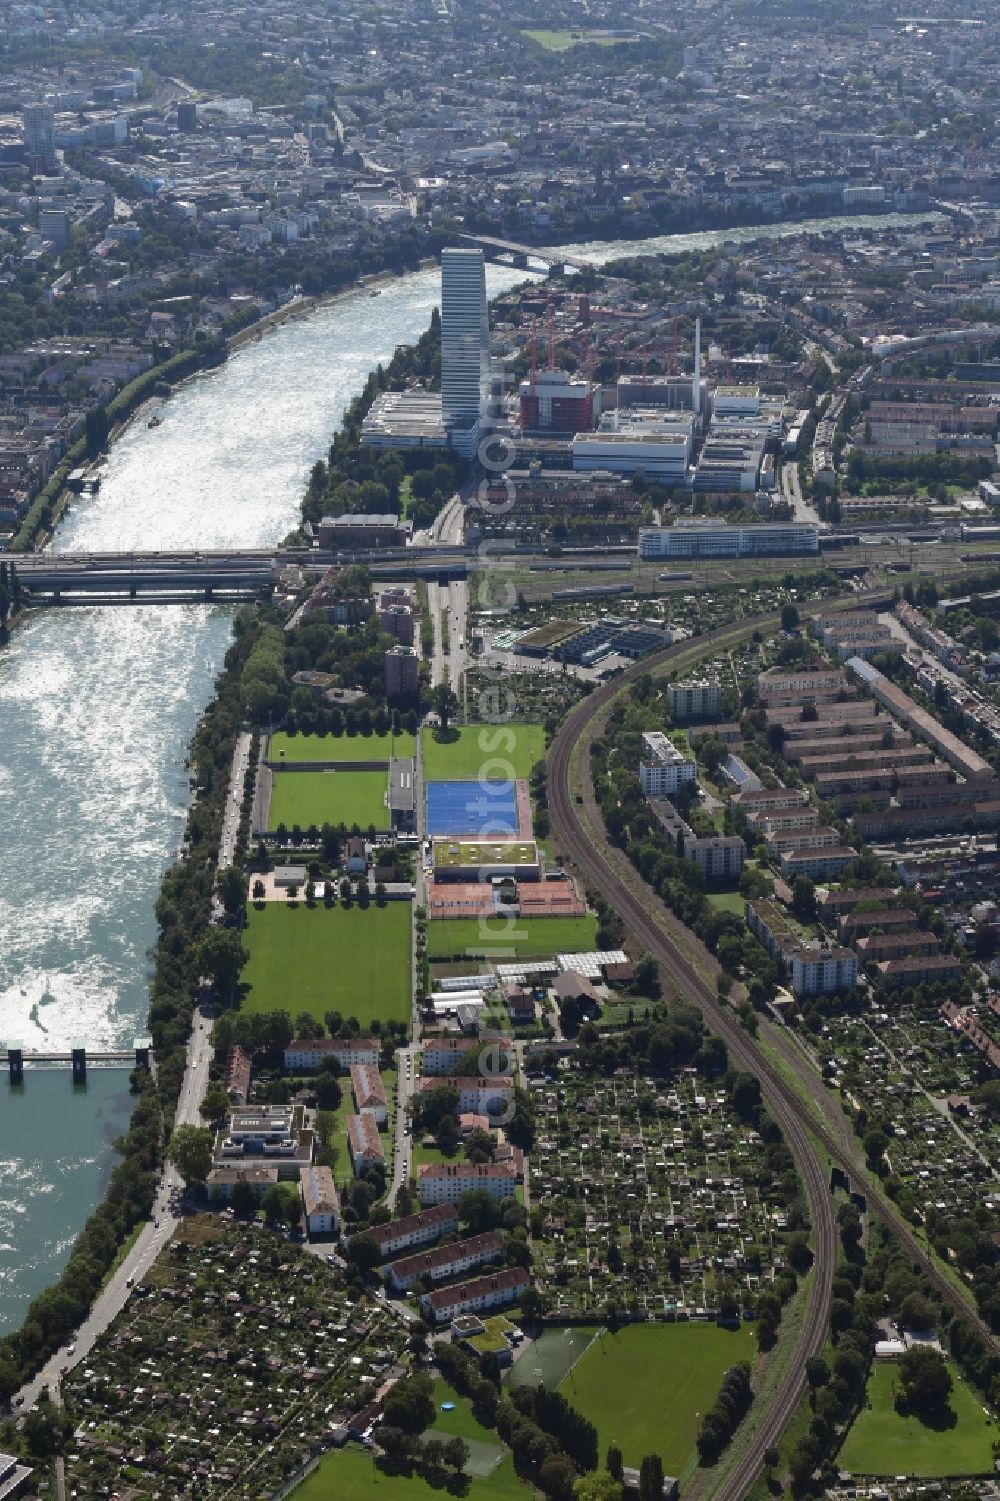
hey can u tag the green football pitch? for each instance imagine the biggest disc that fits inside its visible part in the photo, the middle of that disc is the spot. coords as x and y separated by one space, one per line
492 752
355 960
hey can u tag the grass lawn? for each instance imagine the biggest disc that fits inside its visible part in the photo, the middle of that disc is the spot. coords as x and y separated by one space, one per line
348 797
340 747
682 1367
350 1475
559 41
528 937
728 901
883 1443
350 959
498 751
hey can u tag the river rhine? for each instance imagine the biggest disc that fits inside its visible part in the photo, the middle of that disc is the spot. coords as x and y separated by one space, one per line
96 710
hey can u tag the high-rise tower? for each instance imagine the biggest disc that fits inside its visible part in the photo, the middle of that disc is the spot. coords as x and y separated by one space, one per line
40 136
465 346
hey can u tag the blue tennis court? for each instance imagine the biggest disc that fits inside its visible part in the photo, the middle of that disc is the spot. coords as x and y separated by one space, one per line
471 808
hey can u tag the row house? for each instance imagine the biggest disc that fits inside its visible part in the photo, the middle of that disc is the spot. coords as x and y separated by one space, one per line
446 1261
412 1230
369 1092
364 1142
931 969
481 1295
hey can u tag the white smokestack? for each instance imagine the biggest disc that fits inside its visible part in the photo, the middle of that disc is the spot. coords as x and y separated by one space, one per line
696 382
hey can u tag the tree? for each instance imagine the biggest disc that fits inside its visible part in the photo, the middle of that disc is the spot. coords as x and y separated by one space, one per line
445 703
804 898
220 956
789 618
557 1477
410 1404
215 1104
190 1151
651 1478
647 976
817 1372
924 1381
598 1487
364 1252
918 1312
231 886
456 1454
615 1462
259 890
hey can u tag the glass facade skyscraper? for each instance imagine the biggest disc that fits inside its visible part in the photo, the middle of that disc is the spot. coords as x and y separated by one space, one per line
465 346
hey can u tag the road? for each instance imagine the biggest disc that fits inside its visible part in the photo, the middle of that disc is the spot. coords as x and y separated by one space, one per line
405 1081
578 831
802 510
451 600
234 802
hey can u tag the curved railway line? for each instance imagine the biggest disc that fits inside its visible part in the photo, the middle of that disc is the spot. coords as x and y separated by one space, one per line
610 873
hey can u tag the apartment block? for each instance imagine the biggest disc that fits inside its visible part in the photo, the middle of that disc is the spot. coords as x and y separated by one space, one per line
313 1052
446 1182
364 1142
663 767
482 1295
445 1261
412 1230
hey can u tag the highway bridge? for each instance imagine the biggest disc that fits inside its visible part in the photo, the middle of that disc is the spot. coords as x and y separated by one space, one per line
517 254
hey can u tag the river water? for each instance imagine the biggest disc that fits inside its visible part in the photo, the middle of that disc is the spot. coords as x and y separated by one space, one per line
97 707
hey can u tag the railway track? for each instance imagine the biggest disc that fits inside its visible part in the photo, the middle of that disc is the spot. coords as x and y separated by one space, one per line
608 871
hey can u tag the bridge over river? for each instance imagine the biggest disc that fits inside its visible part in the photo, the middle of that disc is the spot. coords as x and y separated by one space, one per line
222 576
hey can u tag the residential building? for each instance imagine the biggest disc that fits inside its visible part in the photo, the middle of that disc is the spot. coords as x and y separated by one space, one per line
364 1142
412 1230
816 971
402 672
236 1079
819 865
967 762
465 347
222 1180
696 699
446 1182
720 857
312 1052
481 1093
711 537
321 1200
446 1261
369 1092
929 969
663 766
264 1134
482 1294
444 1055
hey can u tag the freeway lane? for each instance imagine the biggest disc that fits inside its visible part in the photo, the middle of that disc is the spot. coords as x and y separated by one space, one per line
578 830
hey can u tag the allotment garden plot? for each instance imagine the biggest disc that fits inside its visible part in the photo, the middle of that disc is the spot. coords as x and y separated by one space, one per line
233 1361
353 959
911 1068
657 1198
